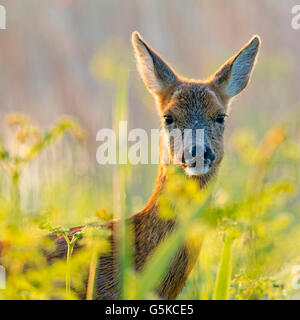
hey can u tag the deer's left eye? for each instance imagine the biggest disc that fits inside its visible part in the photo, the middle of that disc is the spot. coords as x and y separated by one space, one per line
221 118
168 119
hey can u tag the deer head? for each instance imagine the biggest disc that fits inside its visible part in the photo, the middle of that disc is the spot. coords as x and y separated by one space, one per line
193 106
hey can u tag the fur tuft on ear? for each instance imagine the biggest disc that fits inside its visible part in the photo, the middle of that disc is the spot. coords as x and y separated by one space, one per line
235 74
155 72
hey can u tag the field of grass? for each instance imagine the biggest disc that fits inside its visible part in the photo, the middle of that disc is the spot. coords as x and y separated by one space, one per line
77 59
247 220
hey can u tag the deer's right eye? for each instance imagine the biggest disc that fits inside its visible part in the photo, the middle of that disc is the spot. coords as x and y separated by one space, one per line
221 118
168 120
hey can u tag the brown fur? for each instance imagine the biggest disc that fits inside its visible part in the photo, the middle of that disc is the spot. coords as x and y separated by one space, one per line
190 102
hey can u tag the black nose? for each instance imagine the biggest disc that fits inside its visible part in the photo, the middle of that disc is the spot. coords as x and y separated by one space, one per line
209 155
194 151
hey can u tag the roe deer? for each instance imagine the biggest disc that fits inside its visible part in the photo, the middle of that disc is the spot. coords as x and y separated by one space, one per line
183 104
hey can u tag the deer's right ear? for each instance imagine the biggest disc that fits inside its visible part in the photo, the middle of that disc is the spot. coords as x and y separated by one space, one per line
235 74
155 72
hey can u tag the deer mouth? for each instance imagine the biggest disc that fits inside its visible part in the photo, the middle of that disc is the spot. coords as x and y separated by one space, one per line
195 169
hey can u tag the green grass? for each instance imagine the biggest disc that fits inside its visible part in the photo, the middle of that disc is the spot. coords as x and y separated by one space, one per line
247 220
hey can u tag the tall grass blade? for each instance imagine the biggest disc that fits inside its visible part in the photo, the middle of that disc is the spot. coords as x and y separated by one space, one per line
224 274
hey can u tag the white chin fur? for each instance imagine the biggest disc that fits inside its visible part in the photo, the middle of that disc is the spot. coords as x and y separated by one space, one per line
190 171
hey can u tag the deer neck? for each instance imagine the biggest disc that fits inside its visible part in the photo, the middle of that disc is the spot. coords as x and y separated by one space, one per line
150 229
163 177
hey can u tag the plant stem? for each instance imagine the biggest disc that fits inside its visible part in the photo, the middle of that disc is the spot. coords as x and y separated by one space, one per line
68 270
16 201
90 293
224 273
120 184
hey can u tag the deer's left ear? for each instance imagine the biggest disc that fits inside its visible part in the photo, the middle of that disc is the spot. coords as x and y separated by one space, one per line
235 74
157 74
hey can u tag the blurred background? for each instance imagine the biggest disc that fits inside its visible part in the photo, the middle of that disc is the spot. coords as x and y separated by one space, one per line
48 49
63 57
56 57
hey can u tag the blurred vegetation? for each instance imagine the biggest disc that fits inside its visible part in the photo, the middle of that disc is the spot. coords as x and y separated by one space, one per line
247 221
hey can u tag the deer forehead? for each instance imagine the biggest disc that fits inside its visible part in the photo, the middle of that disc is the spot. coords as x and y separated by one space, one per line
193 102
